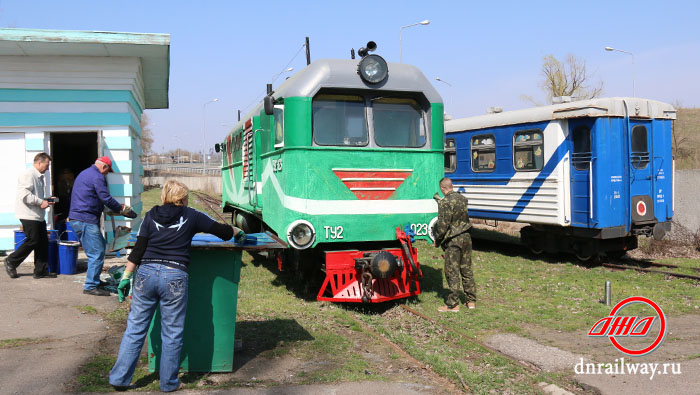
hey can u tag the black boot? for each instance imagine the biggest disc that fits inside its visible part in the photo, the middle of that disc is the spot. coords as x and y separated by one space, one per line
11 271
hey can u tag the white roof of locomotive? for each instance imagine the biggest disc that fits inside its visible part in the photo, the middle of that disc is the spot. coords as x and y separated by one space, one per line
604 107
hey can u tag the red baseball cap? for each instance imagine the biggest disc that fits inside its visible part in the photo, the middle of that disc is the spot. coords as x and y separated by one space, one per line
106 161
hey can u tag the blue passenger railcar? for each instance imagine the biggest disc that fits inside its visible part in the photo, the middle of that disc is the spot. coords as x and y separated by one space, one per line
588 176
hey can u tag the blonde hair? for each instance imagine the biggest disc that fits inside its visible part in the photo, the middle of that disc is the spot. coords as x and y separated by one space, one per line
174 192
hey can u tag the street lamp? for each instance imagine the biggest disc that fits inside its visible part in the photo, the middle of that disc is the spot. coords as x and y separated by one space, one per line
425 22
610 49
450 85
204 131
178 148
281 72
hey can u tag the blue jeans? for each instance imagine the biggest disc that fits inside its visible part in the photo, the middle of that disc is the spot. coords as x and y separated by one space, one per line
154 284
94 244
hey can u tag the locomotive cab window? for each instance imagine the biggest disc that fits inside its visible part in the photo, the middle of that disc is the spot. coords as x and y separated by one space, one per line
398 122
640 149
528 150
581 156
339 120
278 115
483 153
450 156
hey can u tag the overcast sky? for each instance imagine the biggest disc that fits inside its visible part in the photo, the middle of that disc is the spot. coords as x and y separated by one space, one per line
489 51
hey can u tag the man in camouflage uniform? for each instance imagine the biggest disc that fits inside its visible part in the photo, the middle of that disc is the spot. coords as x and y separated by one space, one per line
451 232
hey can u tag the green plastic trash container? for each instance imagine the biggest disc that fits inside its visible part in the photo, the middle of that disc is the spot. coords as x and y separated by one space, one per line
210 324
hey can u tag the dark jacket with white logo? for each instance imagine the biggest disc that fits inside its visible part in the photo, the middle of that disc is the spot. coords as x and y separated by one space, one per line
166 234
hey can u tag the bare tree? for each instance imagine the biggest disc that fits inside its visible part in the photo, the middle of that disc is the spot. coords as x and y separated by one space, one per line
146 135
568 78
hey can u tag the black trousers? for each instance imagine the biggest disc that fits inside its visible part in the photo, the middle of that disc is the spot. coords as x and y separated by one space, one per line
37 240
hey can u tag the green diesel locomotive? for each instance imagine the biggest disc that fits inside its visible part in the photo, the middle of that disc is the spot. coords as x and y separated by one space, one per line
341 161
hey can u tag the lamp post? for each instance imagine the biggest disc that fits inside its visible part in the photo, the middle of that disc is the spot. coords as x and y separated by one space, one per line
450 85
178 148
425 22
610 49
204 132
280 73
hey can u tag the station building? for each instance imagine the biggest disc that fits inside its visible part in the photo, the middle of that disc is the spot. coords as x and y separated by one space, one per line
76 95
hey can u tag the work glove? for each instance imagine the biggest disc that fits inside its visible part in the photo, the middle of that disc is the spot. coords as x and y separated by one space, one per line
124 286
128 212
240 237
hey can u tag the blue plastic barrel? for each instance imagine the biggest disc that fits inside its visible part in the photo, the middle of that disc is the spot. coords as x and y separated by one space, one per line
60 226
69 234
19 238
67 256
53 251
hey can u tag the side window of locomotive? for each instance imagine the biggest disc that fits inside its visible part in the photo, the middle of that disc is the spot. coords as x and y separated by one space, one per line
450 156
640 149
278 115
339 120
581 156
528 150
483 153
398 122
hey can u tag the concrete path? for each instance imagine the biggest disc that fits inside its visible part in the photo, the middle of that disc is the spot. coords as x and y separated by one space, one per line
551 359
59 336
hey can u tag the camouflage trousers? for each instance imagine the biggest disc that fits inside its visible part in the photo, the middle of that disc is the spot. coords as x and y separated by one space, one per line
458 263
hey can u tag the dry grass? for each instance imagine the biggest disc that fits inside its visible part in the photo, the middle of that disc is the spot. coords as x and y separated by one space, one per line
686 139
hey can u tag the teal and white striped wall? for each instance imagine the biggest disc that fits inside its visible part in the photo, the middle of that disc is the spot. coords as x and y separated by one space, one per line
40 95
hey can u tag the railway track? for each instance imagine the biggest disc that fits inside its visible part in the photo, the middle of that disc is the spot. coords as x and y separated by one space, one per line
445 382
614 264
647 270
212 203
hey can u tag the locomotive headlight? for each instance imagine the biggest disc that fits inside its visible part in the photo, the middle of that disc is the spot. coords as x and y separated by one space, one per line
373 69
301 234
430 228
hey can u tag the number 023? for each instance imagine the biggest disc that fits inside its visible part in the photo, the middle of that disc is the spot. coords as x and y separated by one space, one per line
420 229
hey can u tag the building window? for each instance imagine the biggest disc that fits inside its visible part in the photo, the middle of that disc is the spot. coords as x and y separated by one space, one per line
581 156
483 153
450 156
528 150
640 148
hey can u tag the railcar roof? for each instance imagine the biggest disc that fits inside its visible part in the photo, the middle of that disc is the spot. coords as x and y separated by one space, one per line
342 73
602 107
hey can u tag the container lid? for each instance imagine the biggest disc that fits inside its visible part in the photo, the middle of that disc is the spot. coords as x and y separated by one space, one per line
69 243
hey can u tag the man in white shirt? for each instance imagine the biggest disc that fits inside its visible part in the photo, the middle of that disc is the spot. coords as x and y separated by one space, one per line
30 207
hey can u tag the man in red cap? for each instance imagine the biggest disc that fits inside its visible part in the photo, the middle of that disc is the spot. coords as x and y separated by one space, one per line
90 195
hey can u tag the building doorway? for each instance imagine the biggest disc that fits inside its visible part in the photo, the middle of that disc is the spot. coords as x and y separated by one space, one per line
72 152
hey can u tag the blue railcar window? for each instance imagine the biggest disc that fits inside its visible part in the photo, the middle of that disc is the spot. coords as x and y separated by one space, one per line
398 122
640 149
450 156
339 120
483 153
528 150
581 156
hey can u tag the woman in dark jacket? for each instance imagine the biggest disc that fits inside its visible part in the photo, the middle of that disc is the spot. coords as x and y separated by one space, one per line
163 252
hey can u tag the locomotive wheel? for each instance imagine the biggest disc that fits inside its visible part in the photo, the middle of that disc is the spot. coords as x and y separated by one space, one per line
583 258
536 250
304 268
616 254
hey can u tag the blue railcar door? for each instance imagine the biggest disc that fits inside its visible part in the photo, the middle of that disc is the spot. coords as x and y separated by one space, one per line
641 166
582 165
